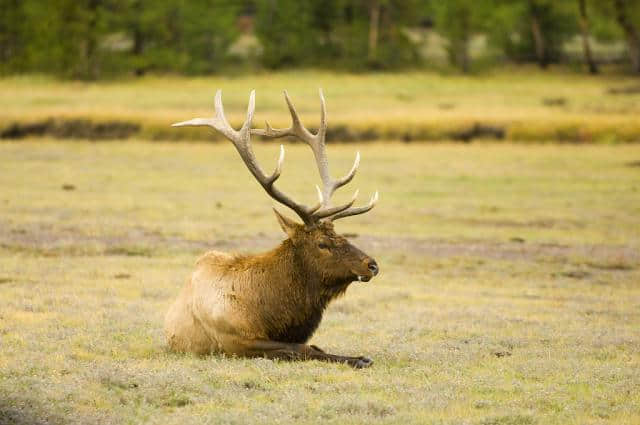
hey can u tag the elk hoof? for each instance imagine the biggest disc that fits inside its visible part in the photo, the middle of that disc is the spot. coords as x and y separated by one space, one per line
361 362
315 347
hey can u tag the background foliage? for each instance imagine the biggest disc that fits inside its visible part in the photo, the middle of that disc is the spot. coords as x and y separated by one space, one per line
92 39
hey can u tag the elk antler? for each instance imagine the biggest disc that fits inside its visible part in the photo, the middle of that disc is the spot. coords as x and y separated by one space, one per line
241 139
317 144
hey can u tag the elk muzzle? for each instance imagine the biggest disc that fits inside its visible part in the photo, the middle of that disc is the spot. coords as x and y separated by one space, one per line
372 270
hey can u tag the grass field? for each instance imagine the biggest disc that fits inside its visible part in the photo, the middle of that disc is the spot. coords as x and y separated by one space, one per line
523 103
509 292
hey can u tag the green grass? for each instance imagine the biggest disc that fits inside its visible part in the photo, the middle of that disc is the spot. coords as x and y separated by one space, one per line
508 295
377 106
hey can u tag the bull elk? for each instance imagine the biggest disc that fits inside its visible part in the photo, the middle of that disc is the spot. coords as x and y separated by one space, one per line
270 304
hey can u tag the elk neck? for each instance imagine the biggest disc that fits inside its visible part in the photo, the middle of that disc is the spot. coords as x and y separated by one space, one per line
300 274
296 294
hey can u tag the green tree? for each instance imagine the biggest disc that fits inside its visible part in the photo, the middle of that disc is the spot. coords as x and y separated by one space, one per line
56 36
458 21
528 30
355 34
173 35
284 27
12 36
628 14
65 36
87 39
208 29
585 33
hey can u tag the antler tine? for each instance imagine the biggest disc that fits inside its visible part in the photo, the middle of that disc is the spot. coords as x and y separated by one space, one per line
278 170
296 129
326 212
322 130
317 144
357 210
242 141
349 176
218 122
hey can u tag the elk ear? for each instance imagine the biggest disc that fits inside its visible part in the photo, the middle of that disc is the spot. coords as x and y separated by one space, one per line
289 226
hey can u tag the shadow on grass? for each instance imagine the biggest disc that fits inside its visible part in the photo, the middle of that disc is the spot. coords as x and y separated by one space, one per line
25 412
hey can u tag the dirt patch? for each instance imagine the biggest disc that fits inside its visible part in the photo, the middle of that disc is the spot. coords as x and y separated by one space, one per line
554 101
479 131
70 241
71 129
498 250
46 240
612 264
624 90
539 224
576 274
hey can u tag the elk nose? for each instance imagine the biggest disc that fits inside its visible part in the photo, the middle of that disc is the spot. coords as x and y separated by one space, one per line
373 267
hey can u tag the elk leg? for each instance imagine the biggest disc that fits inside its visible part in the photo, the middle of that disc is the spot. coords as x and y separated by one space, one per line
359 362
293 352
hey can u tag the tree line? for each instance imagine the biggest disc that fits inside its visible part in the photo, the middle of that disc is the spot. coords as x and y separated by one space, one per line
91 39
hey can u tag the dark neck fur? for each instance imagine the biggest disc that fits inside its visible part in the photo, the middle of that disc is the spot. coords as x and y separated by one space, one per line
306 295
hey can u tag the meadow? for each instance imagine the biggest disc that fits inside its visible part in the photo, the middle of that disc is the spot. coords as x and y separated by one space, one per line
509 289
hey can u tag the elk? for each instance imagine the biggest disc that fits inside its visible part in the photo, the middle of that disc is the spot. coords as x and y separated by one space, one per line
269 305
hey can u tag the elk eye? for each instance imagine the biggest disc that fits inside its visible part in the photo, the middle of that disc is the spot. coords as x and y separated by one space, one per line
322 245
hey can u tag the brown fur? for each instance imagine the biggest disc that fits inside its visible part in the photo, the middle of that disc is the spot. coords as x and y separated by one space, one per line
267 304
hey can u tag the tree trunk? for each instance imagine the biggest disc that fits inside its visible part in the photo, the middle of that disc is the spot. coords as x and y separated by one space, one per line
463 56
11 38
137 51
631 33
91 58
374 23
463 48
538 39
138 41
584 31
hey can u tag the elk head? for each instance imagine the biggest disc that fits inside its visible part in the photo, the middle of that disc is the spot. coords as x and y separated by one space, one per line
314 242
324 252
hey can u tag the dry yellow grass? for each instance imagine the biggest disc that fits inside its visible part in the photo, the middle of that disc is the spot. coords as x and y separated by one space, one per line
410 105
508 295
